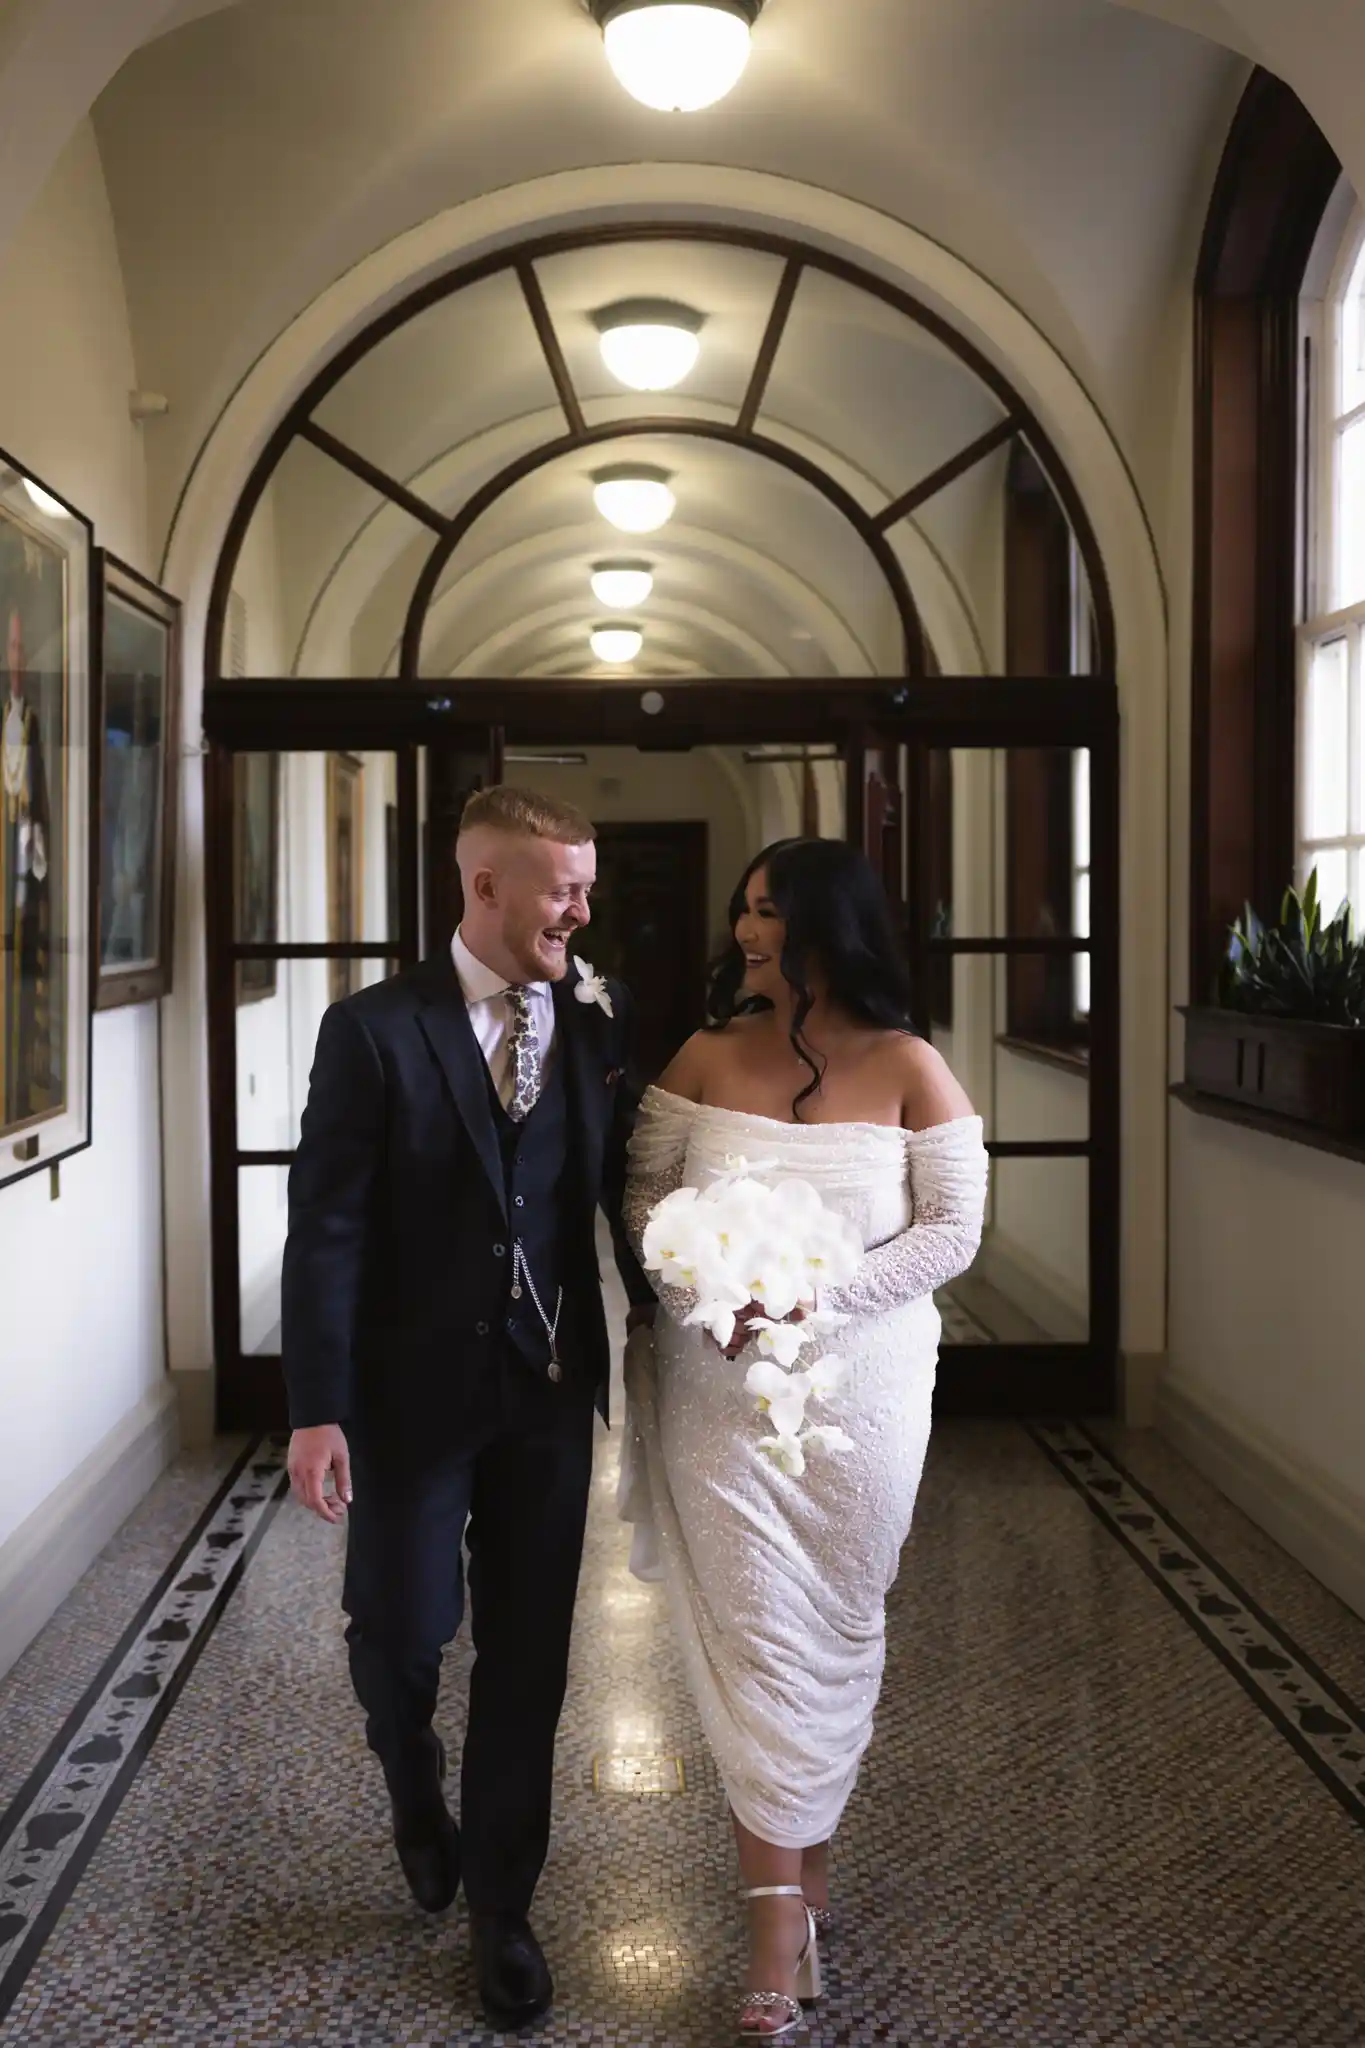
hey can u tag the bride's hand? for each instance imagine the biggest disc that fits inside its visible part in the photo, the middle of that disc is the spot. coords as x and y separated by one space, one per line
748 1315
742 1322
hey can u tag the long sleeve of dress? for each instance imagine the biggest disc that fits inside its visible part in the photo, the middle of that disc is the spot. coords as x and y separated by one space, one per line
948 1172
657 1161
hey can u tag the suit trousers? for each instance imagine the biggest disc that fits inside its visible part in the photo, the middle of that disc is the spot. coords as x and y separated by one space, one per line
514 1490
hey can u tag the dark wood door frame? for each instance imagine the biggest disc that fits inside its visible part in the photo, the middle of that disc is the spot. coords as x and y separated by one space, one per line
287 712
915 713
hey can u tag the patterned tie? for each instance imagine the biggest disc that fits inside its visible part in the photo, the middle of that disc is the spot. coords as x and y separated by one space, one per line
523 1049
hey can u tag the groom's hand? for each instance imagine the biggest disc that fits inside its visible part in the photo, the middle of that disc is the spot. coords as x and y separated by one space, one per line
313 1453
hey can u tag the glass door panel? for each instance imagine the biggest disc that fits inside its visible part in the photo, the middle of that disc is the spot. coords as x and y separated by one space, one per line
316 843
1030 1282
262 1221
1009 854
314 855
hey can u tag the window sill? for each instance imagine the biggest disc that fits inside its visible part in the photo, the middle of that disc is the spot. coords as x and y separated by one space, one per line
1266 1122
1066 1059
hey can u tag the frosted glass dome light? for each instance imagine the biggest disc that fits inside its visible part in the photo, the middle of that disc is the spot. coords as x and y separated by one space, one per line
616 645
649 344
677 56
44 500
622 586
634 498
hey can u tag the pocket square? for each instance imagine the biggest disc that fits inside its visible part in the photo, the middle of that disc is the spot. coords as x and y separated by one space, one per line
613 1076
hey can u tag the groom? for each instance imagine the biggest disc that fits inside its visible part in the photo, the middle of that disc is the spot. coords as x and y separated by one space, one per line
445 1344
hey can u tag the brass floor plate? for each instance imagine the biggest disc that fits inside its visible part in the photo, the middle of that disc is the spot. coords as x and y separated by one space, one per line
639 1777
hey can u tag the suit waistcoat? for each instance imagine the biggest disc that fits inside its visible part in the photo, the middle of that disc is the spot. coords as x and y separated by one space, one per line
535 1160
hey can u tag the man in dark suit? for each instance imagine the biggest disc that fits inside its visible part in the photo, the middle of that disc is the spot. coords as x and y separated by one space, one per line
445 1345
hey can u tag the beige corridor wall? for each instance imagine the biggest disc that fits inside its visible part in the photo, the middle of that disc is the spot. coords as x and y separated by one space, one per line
81 1339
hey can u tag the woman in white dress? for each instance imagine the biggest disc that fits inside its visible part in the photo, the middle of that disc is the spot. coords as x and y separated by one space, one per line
777 1585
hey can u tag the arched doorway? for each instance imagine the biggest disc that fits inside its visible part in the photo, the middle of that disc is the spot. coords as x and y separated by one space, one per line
989 800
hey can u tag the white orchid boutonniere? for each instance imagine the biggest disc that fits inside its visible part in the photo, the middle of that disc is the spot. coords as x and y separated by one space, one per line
591 987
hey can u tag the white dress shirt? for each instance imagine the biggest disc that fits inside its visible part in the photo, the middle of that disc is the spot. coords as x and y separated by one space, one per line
490 1014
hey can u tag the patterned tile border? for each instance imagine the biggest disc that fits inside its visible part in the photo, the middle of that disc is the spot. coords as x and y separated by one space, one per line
50 1832
1321 1722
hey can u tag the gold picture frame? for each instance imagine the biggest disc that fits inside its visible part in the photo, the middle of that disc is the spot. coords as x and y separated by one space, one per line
345 869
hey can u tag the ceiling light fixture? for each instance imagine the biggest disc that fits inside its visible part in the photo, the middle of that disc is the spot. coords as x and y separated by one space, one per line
44 500
634 497
677 56
622 586
649 344
616 645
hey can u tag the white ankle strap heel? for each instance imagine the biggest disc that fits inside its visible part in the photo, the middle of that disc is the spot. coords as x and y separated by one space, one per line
761 2006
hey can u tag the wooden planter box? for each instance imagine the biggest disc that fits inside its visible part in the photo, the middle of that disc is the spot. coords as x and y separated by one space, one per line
1313 1074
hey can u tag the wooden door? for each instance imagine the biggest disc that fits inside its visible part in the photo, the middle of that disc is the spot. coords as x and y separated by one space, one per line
649 930
454 772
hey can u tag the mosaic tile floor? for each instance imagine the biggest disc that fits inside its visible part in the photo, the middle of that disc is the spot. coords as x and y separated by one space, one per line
1078 1823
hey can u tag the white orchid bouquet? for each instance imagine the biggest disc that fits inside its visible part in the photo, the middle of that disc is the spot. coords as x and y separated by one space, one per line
757 1254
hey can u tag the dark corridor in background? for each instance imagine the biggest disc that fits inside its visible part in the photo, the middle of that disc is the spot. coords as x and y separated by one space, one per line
649 930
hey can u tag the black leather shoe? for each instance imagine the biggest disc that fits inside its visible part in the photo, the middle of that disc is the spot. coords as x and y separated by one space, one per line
425 1836
515 1985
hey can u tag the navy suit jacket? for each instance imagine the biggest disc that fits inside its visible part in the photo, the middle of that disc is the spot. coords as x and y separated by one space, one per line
396 1271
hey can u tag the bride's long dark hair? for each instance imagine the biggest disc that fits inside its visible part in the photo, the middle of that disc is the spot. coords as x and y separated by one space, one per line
839 927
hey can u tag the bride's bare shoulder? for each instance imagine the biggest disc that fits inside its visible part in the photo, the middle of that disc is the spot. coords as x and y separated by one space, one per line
930 1091
706 1055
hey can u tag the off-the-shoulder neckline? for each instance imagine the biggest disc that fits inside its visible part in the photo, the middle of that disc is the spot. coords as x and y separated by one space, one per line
779 1123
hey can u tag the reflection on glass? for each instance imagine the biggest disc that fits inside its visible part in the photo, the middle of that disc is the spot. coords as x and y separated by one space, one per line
1005 854
262 1220
1008 842
315 855
1030 1283
401 401
276 1038
1025 1092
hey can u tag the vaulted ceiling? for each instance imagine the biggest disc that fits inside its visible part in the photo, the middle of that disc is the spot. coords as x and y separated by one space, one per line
254 150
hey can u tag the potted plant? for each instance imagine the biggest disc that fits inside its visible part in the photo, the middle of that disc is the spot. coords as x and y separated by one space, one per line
1287 1035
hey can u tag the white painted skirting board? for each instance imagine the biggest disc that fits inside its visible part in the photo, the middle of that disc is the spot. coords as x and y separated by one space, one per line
49 1553
1314 1517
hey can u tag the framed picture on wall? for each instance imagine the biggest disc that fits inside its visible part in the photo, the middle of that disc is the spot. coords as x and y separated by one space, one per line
256 871
140 658
345 868
47 792
392 906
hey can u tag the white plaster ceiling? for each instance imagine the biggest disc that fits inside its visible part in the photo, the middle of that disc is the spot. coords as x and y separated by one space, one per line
1061 146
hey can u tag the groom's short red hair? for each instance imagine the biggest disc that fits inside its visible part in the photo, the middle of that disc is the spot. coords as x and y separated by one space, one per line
527 813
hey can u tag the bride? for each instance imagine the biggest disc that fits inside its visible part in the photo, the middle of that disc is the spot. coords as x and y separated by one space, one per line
776 1585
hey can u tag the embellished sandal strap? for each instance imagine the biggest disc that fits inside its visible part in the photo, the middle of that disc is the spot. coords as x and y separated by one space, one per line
770 2001
774 1891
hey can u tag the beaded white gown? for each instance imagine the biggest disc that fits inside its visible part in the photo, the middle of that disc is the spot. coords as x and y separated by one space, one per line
777 1586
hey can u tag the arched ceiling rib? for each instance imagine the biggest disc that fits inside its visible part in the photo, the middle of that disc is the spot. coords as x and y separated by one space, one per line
380 552
782 331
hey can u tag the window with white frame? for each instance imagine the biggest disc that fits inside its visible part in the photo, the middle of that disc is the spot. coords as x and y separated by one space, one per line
1331 801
